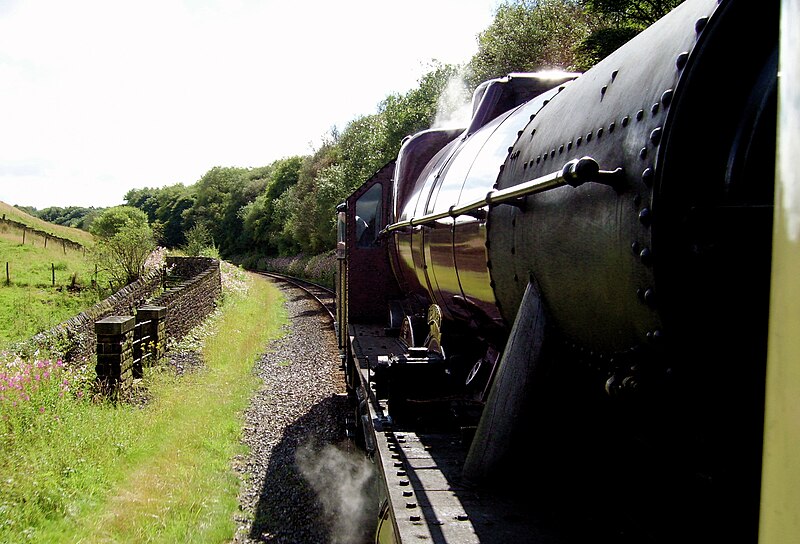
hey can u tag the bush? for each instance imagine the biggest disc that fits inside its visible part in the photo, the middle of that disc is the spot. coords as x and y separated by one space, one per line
125 242
319 268
199 242
322 268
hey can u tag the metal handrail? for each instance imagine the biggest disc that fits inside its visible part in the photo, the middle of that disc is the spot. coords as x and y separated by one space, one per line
574 173
139 339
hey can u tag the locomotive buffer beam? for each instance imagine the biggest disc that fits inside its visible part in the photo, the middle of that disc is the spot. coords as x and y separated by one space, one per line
574 173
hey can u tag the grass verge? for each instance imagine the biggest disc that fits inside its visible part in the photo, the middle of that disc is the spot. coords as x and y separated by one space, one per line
78 471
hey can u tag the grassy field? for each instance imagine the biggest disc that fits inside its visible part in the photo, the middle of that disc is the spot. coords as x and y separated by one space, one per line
42 286
80 471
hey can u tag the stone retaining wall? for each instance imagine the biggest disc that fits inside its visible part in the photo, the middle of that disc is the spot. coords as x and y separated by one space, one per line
75 338
188 303
188 267
193 299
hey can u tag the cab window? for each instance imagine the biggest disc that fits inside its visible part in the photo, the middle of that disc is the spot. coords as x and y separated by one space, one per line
369 218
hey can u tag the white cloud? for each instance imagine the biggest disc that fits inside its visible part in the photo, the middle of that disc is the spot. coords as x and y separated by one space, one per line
98 97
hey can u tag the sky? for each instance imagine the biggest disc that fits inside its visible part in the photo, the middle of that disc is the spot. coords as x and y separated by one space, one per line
100 97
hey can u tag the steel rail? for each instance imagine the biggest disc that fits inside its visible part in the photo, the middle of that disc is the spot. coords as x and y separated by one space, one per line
308 287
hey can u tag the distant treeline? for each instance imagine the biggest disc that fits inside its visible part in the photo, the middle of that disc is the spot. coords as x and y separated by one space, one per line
72 216
287 207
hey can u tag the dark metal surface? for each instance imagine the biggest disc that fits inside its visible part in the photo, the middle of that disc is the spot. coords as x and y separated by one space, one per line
430 500
629 392
590 278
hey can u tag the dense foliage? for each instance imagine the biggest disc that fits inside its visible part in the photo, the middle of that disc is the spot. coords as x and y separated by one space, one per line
531 35
287 207
618 21
165 209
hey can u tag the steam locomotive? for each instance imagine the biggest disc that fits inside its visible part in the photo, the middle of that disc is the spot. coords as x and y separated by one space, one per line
554 320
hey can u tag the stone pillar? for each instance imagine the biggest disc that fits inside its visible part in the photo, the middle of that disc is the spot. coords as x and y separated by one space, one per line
115 353
153 332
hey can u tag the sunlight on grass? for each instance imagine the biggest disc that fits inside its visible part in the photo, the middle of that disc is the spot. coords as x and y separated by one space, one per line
41 287
15 214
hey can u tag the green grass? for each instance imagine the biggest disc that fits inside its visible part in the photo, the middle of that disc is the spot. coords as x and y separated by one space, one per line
77 471
29 302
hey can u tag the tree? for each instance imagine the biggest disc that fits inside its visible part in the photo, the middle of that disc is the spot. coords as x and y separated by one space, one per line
416 110
108 223
173 201
601 43
349 158
529 36
261 230
125 242
619 21
165 209
221 193
198 240
71 216
635 13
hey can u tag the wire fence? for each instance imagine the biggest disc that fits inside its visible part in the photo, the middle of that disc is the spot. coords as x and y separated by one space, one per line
41 276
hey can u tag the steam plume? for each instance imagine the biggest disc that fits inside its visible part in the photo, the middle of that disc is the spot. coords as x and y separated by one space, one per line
454 109
342 483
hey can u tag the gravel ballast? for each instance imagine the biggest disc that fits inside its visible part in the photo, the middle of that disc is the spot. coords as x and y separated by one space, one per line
301 482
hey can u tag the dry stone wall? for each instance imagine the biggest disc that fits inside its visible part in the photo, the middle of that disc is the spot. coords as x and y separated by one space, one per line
75 338
188 302
193 298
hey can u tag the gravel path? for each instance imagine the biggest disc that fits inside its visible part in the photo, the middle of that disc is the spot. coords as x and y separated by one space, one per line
300 483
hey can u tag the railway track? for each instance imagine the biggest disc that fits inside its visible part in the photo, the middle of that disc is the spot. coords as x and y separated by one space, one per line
324 296
298 412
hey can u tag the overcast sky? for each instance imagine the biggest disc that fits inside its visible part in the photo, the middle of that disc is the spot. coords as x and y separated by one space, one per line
99 97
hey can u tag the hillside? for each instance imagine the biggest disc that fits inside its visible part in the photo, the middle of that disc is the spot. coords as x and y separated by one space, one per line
42 286
76 235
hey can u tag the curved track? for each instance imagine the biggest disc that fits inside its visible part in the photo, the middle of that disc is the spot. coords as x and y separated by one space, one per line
324 296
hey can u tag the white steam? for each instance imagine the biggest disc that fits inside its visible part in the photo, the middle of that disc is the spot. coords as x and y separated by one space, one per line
342 483
454 109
